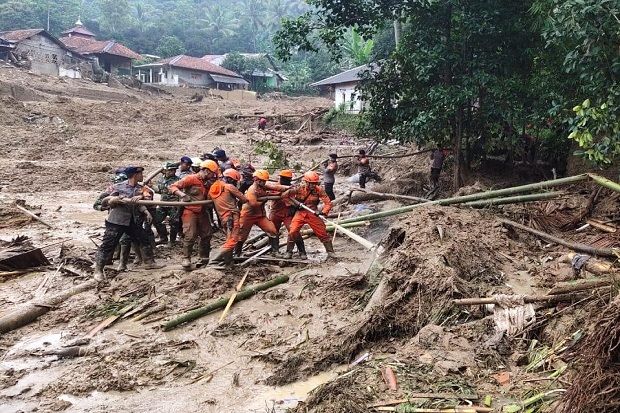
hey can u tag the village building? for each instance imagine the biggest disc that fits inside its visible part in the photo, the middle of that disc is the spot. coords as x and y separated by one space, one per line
112 56
185 70
40 52
343 88
269 79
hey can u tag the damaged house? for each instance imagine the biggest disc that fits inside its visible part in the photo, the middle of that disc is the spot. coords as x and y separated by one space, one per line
260 79
40 52
112 56
185 70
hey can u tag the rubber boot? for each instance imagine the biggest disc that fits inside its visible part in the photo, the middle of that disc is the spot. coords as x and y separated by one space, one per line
173 236
138 251
123 258
99 274
289 249
149 259
205 251
222 259
238 249
163 239
228 258
329 248
275 246
186 263
301 248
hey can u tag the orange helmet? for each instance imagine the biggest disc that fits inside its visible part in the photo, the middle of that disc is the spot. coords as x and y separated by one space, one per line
210 165
235 163
312 177
286 173
232 174
261 174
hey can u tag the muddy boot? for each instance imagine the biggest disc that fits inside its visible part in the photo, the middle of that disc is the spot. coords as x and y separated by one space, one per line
99 274
329 248
163 239
301 248
123 258
138 251
149 258
173 237
238 249
205 251
186 263
275 246
289 250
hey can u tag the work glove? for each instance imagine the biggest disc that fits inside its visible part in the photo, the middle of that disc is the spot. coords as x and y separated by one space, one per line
148 218
186 198
114 201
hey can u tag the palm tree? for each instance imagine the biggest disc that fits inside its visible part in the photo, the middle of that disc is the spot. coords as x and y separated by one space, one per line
219 22
356 50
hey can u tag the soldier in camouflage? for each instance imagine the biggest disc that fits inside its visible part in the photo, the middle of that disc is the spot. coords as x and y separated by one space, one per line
172 213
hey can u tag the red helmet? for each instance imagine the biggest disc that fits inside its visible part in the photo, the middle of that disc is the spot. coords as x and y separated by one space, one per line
312 177
232 174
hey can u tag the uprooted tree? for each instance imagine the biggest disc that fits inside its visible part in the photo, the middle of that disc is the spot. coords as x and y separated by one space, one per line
483 77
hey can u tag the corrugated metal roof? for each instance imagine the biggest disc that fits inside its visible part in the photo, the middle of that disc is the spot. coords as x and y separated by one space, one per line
228 79
351 75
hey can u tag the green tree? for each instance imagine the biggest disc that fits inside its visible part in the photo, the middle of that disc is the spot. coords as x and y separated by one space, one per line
356 50
219 22
115 13
170 46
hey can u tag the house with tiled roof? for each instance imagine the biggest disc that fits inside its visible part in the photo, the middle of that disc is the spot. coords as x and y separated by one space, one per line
185 70
269 78
112 56
40 52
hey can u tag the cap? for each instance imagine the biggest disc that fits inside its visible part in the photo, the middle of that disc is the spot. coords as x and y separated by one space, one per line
131 170
219 153
333 155
170 165
196 162
186 159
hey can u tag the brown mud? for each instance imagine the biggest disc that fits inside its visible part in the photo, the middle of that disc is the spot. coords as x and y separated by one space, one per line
319 343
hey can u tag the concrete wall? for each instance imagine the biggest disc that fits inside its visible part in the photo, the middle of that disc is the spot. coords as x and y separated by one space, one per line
115 65
347 97
44 54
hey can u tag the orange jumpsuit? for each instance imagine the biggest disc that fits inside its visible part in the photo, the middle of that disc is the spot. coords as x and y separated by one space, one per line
253 212
310 196
225 198
195 217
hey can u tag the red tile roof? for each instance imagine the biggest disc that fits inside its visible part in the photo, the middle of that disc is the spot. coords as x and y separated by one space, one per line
85 45
196 63
79 30
16 36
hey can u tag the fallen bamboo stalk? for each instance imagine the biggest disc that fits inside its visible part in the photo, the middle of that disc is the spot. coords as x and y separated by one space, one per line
514 199
30 214
581 285
599 225
108 321
468 198
425 396
386 195
233 296
30 311
457 409
605 182
216 305
576 246
168 203
527 299
152 311
395 156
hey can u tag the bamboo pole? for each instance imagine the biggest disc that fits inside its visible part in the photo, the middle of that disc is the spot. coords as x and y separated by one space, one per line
576 246
31 215
527 299
168 203
390 196
592 265
152 175
605 182
514 199
580 285
473 197
221 303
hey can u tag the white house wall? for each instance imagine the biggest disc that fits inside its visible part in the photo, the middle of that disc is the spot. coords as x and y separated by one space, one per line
347 98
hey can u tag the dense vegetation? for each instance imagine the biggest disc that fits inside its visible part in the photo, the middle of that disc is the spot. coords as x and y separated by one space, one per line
483 76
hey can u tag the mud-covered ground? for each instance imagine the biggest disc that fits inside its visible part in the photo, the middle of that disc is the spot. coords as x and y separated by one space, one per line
333 329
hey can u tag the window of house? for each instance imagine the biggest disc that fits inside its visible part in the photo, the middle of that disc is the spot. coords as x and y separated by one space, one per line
55 58
196 76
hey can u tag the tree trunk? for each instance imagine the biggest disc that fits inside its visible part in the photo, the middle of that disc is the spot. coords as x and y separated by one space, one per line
458 156
398 31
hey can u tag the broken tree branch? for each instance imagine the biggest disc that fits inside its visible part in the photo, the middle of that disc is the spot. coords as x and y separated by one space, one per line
575 246
605 182
169 203
581 285
527 299
31 215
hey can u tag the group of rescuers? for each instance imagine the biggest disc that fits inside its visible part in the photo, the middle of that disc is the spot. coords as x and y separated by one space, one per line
238 194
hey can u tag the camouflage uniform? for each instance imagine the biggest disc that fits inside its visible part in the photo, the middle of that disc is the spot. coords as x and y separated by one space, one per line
162 211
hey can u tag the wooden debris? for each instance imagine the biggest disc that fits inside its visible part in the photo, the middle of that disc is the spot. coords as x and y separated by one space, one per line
603 227
108 321
581 285
233 296
527 299
389 378
33 216
593 265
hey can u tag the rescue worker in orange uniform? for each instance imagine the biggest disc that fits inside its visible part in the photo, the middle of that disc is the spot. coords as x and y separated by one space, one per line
310 193
253 212
226 198
281 213
196 223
